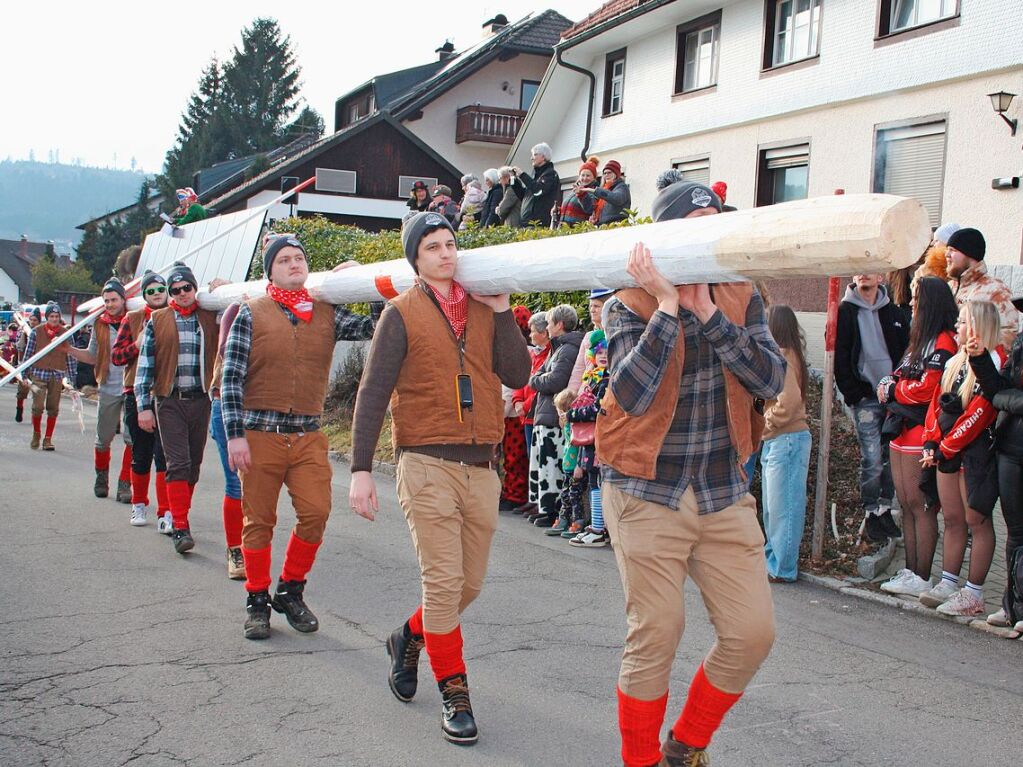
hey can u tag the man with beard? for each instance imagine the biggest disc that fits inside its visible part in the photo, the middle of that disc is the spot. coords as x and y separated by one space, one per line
970 281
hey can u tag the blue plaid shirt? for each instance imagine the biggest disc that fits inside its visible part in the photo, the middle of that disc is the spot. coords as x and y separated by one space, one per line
348 326
697 450
44 374
188 376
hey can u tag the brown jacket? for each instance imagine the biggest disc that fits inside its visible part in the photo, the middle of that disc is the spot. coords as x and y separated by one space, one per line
165 335
631 444
289 364
424 404
136 321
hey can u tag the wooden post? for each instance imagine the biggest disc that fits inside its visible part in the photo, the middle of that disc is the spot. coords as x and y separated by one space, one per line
820 497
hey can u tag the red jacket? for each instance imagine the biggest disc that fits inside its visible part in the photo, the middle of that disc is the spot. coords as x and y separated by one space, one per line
918 388
977 416
526 395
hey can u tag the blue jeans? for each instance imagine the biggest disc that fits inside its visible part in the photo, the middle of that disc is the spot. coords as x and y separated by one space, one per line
876 486
784 462
232 485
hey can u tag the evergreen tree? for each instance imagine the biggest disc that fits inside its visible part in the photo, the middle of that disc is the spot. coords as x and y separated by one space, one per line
308 121
261 88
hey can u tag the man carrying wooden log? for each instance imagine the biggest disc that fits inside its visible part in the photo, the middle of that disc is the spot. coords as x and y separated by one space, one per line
110 378
440 357
677 424
276 366
48 373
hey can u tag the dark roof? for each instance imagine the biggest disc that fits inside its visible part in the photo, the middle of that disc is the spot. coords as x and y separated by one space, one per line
18 265
295 160
402 92
221 177
610 11
155 198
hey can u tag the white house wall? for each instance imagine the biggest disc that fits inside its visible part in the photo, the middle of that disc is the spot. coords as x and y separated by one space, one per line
9 290
437 125
835 102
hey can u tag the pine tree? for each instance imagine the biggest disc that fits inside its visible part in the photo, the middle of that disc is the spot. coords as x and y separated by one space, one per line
261 88
308 121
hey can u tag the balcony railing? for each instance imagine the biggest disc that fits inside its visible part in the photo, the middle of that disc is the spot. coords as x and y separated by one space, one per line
494 125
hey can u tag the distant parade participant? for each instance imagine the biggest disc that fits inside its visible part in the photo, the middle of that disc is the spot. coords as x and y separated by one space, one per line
276 367
189 210
34 319
439 357
172 383
110 378
146 447
48 372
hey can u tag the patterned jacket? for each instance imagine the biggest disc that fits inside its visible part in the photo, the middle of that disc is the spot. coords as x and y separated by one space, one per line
976 284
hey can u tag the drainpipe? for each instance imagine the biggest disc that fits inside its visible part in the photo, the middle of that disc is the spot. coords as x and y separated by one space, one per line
589 108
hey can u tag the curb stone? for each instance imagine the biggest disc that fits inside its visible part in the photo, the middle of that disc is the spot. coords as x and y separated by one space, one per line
912 605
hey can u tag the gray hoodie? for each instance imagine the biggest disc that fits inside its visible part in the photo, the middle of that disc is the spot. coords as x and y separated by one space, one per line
874 362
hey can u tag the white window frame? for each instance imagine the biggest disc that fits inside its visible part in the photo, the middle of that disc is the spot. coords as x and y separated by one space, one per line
783 50
946 9
614 101
696 74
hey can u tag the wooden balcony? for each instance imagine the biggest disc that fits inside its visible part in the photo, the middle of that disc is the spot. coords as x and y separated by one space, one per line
492 125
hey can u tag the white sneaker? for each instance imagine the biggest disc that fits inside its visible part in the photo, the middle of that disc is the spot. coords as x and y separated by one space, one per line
138 514
998 619
939 594
963 602
165 526
912 585
896 580
591 538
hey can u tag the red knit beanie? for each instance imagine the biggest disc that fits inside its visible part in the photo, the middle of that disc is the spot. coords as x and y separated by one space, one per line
614 166
590 165
720 188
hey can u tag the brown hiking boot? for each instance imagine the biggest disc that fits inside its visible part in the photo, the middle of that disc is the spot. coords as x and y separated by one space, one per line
235 564
47 444
675 754
34 444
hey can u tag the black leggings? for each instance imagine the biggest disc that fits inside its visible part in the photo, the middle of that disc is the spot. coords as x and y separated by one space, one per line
1010 491
146 446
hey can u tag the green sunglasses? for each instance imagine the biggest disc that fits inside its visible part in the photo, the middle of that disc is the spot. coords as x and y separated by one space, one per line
155 291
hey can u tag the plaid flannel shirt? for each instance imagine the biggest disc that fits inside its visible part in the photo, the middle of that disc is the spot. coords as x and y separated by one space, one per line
697 450
348 326
188 376
42 374
125 351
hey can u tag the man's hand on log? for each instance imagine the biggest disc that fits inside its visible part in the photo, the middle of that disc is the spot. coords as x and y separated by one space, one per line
345 265
696 299
641 268
362 496
499 303
216 282
238 454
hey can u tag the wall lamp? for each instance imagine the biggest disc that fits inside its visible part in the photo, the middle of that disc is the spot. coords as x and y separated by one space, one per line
1000 103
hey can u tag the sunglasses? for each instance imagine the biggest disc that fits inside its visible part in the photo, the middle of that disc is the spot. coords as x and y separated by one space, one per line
155 291
182 289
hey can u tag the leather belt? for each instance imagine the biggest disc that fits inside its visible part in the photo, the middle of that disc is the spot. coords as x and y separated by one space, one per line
178 394
480 464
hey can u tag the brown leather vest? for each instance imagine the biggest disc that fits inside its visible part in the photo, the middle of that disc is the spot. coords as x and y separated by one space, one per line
424 405
102 366
165 330
137 322
289 365
631 444
55 360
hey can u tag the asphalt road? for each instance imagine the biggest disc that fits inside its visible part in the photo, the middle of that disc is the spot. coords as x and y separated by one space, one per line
115 650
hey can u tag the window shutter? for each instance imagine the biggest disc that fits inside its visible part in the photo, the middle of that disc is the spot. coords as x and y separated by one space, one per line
697 171
914 165
787 157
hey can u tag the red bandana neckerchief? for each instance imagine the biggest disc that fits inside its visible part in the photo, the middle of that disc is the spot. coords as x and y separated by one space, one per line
149 311
183 311
52 332
298 302
110 319
455 306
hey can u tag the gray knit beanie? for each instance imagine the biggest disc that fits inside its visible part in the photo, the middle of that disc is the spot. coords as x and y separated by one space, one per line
417 227
275 246
681 198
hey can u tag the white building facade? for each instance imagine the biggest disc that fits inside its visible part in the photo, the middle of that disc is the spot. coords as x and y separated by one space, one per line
783 99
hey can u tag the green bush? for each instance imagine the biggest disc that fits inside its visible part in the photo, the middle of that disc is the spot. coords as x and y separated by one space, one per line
327 244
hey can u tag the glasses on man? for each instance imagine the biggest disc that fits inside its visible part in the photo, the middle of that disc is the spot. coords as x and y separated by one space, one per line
186 288
155 291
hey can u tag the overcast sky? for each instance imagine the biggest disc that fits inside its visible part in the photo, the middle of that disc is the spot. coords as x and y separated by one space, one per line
109 79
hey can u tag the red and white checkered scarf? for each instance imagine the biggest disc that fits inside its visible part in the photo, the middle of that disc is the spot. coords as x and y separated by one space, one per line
455 307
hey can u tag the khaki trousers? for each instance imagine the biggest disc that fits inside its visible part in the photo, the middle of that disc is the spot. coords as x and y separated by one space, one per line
723 552
298 462
47 397
108 416
451 510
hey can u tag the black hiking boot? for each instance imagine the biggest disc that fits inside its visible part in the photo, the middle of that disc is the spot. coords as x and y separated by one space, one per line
288 600
257 620
458 723
404 647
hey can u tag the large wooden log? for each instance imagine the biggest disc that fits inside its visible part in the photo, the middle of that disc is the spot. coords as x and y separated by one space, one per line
825 236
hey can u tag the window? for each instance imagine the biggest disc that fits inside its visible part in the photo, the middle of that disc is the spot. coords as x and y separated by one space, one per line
793 31
899 15
909 161
338 181
527 93
783 174
694 169
696 57
614 82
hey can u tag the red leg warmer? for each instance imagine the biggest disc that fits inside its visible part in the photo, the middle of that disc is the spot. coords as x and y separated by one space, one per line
445 651
102 459
705 707
180 503
639 722
298 559
257 569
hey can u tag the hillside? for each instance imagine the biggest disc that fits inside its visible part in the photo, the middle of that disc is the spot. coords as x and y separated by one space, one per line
47 201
